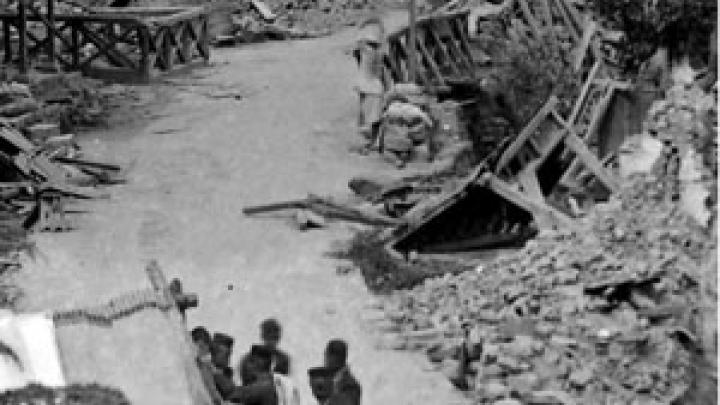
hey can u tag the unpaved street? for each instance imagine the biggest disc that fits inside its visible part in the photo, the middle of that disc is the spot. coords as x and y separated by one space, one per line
266 122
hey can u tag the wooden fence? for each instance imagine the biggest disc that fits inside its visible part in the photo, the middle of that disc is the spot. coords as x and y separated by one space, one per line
442 51
126 44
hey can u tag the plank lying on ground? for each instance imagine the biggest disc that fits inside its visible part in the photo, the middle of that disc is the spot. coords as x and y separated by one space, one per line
83 162
72 191
327 208
16 139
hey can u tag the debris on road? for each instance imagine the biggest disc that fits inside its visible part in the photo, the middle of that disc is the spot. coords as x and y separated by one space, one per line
325 207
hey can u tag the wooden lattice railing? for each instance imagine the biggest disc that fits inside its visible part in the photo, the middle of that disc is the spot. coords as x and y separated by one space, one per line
127 43
442 51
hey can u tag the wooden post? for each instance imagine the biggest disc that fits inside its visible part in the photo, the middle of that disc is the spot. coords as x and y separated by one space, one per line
176 321
412 42
144 42
22 33
7 44
51 35
75 43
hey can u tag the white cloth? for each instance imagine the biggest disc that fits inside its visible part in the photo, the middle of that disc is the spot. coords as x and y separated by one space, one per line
287 391
31 337
407 112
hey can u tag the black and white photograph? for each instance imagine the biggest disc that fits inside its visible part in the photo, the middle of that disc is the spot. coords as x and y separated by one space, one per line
358 202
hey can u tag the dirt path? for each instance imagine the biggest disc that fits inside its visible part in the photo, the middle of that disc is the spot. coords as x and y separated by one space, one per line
283 131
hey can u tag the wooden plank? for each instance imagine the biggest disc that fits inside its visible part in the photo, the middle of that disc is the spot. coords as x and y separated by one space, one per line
574 14
583 93
526 132
113 56
16 139
22 34
177 322
443 49
582 49
566 18
534 25
85 162
430 61
7 44
109 47
548 13
554 139
456 48
529 182
545 216
587 158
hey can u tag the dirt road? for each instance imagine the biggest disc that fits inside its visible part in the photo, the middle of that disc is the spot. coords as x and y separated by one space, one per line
267 122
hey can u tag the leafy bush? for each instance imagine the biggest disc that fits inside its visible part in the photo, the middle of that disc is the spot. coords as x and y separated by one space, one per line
683 26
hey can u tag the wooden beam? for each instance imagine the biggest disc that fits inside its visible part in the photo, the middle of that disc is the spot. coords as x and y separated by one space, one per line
574 142
526 132
548 14
429 60
583 93
582 49
545 216
527 177
177 322
443 49
22 34
532 22
566 18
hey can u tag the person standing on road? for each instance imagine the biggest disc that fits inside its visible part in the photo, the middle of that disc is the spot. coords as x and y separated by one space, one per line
270 334
201 339
321 384
220 352
369 85
261 391
345 388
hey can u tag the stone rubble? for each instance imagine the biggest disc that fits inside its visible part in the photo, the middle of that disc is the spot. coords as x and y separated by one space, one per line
610 312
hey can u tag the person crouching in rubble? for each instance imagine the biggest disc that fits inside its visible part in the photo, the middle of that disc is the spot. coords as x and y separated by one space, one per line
406 123
369 56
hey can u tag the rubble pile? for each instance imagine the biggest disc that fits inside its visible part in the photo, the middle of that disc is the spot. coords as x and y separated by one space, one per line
68 100
601 314
43 168
254 21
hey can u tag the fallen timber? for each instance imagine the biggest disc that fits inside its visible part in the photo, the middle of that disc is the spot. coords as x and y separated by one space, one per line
326 208
121 44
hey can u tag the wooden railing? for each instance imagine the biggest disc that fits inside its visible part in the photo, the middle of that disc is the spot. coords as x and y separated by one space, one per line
442 51
126 44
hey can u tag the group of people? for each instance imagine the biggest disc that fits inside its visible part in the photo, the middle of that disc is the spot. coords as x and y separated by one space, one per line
264 372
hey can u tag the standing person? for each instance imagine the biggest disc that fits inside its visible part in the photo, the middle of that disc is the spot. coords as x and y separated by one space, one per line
220 352
261 391
369 86
201 339
345 389
321 384
270 334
